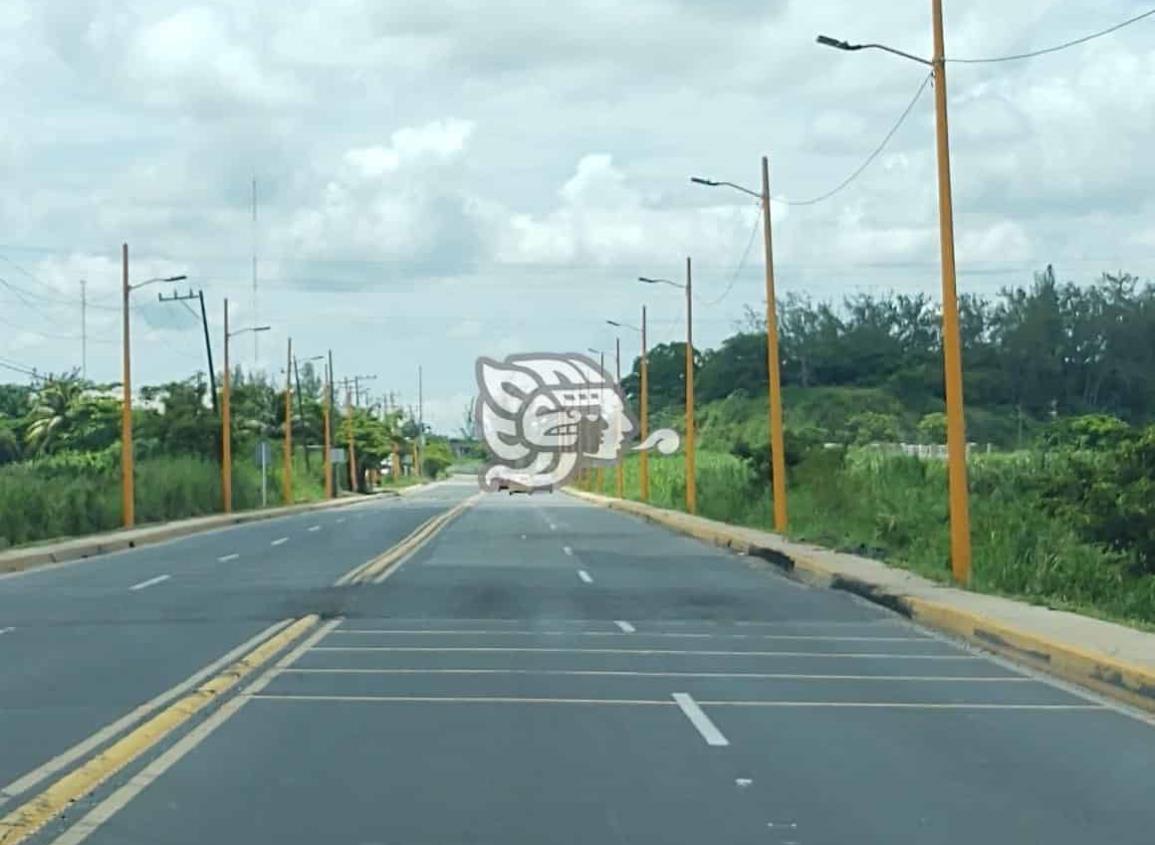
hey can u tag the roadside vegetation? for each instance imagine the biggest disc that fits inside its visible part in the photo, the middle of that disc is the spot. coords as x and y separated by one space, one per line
1060 384
60 452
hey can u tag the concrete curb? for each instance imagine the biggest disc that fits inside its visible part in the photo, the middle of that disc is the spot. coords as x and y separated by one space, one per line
1129 682
18 560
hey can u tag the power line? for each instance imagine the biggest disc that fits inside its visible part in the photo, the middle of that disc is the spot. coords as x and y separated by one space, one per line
1057 47
741 264
871 158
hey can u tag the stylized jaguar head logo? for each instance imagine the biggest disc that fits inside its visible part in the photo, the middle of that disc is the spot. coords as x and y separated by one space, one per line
545 416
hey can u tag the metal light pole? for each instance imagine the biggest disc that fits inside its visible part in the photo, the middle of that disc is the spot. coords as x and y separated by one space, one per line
773 366
952 342
327 436
600 472
691 457
619 470
644 403
226 416
127 474
287 472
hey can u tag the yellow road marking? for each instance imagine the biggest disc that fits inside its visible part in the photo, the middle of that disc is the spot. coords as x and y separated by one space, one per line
31 816
111 805
378 567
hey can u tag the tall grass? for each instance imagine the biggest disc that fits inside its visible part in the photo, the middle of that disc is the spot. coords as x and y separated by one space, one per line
46 501
894 508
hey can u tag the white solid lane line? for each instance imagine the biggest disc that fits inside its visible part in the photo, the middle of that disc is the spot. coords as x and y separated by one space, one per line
711 653
585 576
150 582
700 720
626 627
227 558
279 541
314 528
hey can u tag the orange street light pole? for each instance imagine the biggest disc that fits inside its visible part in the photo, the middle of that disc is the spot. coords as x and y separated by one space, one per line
287 474
127 488
226 428
326 412
127 463
619 470
226 417
645 415
960 534
691 464
691 449
643 402
773 368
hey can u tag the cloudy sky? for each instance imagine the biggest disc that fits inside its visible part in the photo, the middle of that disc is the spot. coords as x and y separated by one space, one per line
448 178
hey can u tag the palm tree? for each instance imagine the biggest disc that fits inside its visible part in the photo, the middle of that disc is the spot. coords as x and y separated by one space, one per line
52 409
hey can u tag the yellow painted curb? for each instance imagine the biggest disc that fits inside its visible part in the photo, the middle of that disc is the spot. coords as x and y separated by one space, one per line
1127 682
31 816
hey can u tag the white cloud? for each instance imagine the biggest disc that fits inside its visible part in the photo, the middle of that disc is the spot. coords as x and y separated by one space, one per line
143 121
196 54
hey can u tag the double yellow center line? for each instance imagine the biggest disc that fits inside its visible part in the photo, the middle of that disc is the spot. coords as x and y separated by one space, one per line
375 570
30 817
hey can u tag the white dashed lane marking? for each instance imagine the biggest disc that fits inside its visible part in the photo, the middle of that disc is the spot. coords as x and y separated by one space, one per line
626 627
227 558
700 720
150 582
585 576
279 541
314 528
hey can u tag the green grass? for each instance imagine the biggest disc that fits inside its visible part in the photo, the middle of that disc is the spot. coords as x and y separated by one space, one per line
894 508
43 502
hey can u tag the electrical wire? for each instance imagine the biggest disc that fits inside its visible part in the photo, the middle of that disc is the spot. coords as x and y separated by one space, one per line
741 264
870 159
1057 47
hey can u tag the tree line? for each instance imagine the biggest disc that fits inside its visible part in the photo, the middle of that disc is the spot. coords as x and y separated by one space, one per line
1045 350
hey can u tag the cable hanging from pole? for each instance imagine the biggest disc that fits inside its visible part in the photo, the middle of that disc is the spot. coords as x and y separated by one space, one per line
1055 49
870 159
741 265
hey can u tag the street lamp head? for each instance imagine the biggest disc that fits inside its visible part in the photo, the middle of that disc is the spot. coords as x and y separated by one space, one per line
827 41
708 182
644 280
175 279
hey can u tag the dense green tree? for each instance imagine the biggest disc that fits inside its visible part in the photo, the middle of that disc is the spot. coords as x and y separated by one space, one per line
52 414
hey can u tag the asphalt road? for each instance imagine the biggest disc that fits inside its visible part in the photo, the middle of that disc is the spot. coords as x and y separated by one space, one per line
85 643
544 671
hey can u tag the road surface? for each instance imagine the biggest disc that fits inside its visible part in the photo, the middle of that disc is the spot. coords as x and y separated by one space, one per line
543 671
